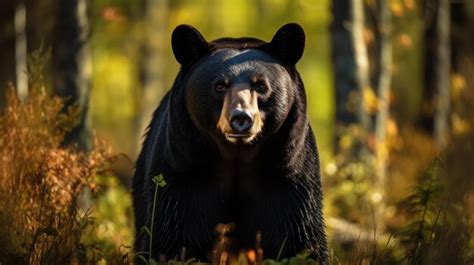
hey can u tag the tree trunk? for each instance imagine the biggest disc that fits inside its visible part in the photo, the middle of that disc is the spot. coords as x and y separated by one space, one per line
383 91
362 61
442 86
462 34
7 45
72 65
152 61
437 62
430 13
21 51
351 66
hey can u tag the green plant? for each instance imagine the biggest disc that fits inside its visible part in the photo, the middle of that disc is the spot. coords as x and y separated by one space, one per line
159 182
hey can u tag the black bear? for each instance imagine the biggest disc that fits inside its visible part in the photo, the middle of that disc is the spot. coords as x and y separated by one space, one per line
233 143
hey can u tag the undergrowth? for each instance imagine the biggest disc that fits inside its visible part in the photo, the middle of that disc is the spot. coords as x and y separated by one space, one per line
41 182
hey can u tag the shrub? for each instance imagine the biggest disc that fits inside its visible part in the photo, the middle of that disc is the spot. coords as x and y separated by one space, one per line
41 182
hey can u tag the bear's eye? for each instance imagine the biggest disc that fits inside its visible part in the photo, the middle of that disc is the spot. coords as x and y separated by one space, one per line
260 86
220 86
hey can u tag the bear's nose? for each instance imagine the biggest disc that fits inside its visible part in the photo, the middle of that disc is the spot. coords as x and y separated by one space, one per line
240 121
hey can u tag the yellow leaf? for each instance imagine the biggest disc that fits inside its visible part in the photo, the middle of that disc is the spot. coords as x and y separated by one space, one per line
460 125
392 127
345 142
405 40
370 100
369 37
397 8
409 4
458 84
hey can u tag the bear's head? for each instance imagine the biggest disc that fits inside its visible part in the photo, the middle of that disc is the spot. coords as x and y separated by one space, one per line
238 91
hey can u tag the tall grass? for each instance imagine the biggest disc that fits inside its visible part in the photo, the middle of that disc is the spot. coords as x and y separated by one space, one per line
41 182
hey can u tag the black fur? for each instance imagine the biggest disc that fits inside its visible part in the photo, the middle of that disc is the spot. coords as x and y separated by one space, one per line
271 185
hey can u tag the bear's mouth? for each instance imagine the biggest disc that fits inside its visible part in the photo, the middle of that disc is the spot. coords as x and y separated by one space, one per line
239 137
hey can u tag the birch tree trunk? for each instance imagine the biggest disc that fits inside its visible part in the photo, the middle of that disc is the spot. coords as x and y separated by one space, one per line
442 86
383 91
362 61
72 64
350 61
21 50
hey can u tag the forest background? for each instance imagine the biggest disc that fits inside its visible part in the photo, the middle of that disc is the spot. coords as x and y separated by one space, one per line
390 88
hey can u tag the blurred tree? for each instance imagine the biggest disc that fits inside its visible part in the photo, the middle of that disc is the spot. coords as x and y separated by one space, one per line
7 46
442 73
357 104
350 61
436 92
71 64
20 50
152 60
41 19
353 120
462 63
383 104
462 33
430 12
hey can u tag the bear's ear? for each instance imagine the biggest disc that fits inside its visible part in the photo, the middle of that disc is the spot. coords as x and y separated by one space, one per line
188 44
288 43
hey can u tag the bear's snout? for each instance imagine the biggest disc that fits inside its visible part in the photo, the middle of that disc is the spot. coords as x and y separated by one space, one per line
241 125
240 121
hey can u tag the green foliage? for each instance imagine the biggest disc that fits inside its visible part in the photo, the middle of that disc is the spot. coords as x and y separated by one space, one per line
424 207
438 229
351 175
109 231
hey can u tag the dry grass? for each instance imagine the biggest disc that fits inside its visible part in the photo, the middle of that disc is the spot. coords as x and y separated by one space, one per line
41 182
